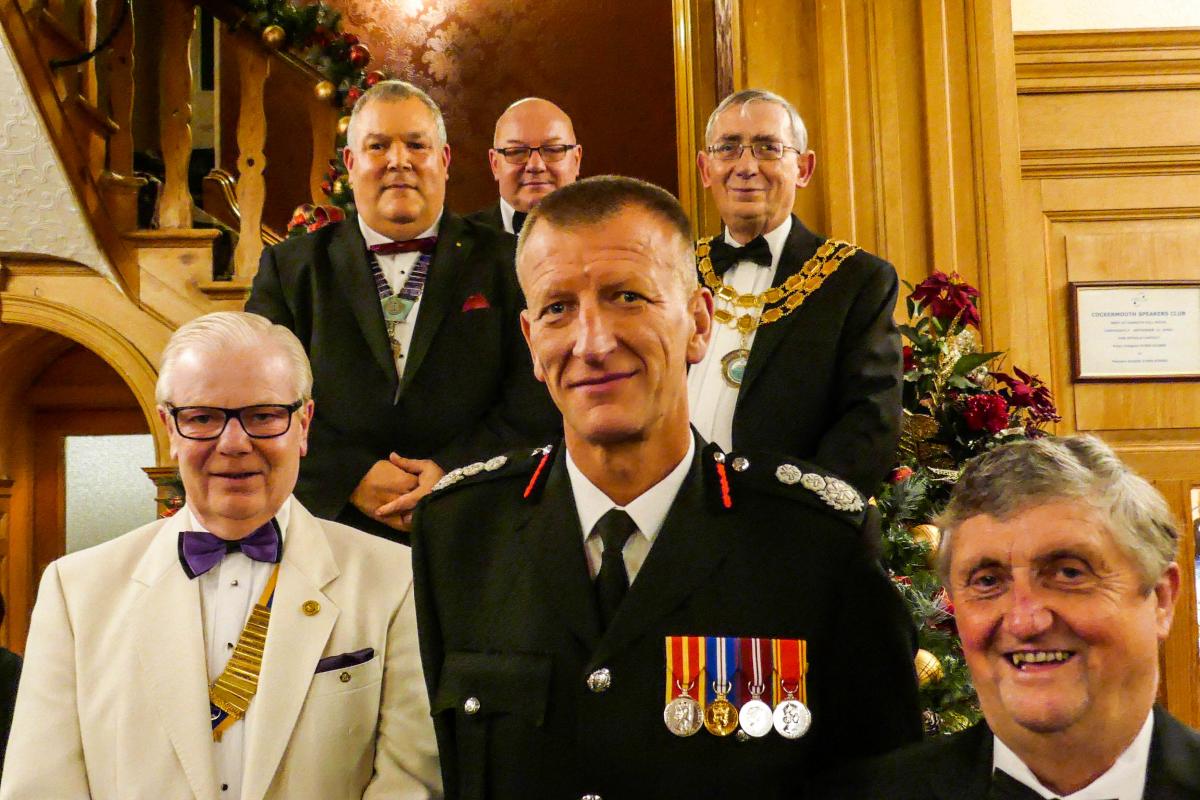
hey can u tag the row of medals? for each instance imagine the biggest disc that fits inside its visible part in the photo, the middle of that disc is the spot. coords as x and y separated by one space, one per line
790 719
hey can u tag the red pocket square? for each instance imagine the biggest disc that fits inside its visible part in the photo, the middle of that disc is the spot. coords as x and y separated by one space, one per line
475 302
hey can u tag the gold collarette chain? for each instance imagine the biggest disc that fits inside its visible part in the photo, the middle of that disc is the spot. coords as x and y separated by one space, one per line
783 299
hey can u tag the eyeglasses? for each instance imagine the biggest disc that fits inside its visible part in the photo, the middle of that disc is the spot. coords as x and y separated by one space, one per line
762 151
259 422
550 152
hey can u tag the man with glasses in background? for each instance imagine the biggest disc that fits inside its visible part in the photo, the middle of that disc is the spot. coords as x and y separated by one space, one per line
534 153
805 358
242 647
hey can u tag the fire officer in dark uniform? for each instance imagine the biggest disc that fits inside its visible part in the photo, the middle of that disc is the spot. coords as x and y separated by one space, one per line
632 613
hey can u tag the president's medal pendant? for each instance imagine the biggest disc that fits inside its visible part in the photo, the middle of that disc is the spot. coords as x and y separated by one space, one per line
792 718
397 308
721 716
733 366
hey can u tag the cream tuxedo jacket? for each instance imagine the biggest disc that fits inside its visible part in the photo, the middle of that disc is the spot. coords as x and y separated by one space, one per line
113 701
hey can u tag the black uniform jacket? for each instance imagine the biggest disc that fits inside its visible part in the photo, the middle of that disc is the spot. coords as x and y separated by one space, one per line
506 616
959 767
490 216
823 384
468 386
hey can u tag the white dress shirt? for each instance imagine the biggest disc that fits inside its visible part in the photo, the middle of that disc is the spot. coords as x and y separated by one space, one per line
228 593
1124 780
506 214
710 398
396 268
648 511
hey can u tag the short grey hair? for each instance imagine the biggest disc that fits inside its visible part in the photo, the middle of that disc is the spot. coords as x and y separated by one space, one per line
394 91
798 130
1025 474
601 197
227 330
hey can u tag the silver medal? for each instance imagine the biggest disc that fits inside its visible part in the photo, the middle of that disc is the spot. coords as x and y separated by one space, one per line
792 718
756 718
683 716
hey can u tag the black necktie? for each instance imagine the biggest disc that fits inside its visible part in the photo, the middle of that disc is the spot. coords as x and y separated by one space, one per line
518 221
612 582
725 255
1006 787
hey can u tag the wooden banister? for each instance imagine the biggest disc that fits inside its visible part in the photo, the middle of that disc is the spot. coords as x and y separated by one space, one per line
175 112
253 67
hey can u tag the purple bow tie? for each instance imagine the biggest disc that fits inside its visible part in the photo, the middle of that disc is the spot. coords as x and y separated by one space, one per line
200 551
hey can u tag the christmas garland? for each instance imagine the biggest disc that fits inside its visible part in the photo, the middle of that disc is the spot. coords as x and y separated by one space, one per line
956 406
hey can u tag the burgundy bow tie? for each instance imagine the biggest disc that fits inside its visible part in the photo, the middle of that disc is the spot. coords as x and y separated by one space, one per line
200 551
423 245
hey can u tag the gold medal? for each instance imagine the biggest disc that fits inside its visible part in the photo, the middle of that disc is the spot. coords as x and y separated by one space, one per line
733 366
721 716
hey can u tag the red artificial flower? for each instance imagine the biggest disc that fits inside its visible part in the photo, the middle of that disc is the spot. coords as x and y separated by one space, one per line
947 297
900 474
910 361
986 412
1028 391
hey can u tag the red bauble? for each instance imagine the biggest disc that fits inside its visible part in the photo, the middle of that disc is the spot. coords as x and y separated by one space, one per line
359 56
350 39
373 77
900 474
352 95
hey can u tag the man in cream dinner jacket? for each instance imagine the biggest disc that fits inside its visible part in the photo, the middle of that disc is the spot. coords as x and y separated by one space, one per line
142 654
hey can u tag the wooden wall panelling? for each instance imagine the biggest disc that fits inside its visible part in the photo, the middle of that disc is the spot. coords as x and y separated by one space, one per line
695 98
6 485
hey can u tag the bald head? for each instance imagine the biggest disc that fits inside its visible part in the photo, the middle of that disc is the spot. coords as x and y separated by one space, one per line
526 176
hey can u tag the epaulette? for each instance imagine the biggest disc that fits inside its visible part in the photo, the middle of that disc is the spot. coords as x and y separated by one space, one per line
511 464
783 477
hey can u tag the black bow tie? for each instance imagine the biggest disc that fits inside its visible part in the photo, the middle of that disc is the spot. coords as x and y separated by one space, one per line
519 221
1006 787
725 255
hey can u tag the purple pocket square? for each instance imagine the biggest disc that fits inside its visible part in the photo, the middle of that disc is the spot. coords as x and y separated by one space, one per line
344 660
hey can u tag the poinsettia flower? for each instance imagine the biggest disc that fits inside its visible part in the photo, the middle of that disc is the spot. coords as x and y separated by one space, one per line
986 412
947 297
910 361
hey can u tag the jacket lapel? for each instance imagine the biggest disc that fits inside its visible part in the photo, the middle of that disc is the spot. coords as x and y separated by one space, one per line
352 271
1173 772
967 765
170 649
552 531
445 271
295 641
692 544
800 246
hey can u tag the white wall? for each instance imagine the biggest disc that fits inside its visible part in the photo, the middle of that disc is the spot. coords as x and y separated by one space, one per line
1070 15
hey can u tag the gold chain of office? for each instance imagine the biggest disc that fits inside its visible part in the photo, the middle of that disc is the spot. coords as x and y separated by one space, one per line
783 299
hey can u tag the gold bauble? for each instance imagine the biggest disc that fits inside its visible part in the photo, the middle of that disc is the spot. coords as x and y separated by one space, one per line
273 36
340 186
929 669
325 90
343 125
928 535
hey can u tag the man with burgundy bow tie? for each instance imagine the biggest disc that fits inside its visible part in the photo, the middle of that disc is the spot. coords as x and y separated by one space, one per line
811 370
1061 564
241 649
409 314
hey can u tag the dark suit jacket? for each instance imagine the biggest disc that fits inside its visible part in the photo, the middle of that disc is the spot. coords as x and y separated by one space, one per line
10 676
468 385
824 383
489 216
960 767
506 615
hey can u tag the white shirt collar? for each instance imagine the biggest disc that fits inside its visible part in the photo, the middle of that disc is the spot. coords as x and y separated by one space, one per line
506 213
282 517
373 236
776 239
648 510
1124 780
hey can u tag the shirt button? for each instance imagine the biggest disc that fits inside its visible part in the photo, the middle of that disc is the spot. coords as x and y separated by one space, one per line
600 680
224 787
471 705
233 582
229 645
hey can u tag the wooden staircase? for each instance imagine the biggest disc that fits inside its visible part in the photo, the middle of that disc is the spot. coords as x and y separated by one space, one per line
168 271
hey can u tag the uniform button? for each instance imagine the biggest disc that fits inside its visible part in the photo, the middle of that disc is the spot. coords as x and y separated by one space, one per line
742 736
311 608
591 797
471 705
741 464
600 680
344 677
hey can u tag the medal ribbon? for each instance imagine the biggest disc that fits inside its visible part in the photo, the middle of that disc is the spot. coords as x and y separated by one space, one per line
723 663
230 694
756 668
791 660
685 663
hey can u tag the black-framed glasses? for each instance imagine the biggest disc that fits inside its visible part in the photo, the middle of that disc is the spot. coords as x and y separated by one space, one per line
264 421
764 150
550 152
